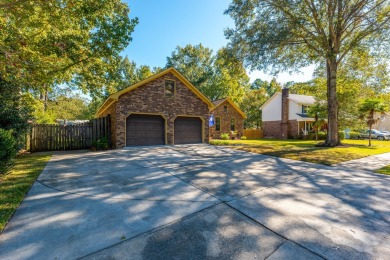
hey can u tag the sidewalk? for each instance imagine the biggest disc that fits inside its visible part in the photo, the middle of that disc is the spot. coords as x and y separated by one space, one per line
370 163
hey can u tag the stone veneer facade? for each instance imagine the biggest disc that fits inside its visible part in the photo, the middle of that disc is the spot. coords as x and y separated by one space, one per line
225 120
150 99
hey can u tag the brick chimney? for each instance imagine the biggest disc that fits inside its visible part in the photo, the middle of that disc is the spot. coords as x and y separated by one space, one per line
284 123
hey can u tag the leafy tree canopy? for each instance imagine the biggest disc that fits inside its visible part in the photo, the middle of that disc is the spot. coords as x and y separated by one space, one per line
286 35
251 104
217 76
49 42
361 76
195 63
269 87
371 111
128 73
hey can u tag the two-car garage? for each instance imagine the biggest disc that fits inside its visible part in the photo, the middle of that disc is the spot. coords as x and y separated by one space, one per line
142 129
164 109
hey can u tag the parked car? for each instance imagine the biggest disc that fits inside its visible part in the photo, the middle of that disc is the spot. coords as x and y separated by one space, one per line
375 134
386 132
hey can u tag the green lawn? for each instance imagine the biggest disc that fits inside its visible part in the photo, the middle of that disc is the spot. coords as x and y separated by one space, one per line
384 170
15 185
307 151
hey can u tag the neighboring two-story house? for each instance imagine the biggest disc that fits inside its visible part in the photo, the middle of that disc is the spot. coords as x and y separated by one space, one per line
285 116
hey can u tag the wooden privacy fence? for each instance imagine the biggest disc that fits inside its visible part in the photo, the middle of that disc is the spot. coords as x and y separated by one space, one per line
253 133
47 137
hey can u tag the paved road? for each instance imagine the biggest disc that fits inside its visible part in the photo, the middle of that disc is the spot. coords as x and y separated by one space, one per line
198 202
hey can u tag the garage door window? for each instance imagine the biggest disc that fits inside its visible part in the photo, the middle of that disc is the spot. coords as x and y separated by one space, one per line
169 88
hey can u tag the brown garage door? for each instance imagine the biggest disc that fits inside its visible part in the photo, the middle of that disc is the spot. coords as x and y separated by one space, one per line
188 130
145 130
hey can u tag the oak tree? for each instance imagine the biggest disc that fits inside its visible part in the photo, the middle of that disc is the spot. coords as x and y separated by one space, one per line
48 42
283 34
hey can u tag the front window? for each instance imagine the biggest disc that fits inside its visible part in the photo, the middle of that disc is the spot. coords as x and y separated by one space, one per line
225 108
169 88
217 124
305 109
233 124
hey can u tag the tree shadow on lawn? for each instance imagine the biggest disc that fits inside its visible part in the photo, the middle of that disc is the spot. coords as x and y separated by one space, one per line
309 153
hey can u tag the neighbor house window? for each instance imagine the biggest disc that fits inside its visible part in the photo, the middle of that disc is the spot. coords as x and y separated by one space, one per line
169 88
225 108
218 123
233 124
305 109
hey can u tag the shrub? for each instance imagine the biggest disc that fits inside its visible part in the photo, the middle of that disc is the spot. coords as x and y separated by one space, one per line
7 150
224 136
311 136
321 135
219 142
15 111
243 137
353 135
341 135
101 144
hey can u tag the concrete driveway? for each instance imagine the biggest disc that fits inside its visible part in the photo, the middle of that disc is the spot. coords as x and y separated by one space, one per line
197 202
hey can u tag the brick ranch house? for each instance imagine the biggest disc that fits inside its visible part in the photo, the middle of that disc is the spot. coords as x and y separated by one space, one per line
285 116
164 109
227 118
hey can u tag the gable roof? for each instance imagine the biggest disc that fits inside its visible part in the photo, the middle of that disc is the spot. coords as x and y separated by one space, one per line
114 97
220 101
302 99
269 100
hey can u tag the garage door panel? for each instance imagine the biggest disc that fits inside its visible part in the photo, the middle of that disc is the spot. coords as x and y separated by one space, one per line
145 130
188 130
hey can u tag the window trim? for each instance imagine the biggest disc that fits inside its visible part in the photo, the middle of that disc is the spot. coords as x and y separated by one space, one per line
233 124
303 110
220 122
165 88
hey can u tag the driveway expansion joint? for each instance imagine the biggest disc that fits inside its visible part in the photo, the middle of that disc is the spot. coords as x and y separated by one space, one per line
115 199
276 249
174 175
150 231
276 233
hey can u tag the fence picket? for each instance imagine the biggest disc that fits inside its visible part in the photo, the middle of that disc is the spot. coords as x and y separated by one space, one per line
253 133
46 137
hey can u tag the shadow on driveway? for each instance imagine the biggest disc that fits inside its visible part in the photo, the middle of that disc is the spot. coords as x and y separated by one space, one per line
198 201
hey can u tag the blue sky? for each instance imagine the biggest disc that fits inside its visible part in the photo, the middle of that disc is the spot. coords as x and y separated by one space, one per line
165 24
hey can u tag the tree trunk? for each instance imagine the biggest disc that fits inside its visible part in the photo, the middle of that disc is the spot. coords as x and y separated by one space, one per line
315 122
369 136
44 97
332 138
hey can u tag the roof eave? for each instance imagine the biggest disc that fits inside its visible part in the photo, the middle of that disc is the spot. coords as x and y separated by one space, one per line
115 96
233 105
